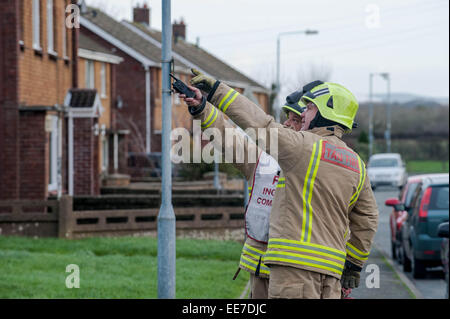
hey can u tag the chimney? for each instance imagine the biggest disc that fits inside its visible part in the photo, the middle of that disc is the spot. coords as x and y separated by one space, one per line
179 30
142 15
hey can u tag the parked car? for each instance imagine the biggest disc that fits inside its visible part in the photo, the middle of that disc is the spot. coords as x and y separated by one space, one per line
399 214
429 208
443 233
386 169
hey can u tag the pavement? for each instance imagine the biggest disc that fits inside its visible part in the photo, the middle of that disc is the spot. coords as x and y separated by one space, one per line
381 280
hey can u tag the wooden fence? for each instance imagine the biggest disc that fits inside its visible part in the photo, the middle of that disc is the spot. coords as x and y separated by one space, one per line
58 218
32 217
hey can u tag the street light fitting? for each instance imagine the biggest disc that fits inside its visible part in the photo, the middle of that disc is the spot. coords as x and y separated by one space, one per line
305 32
385 75
311 32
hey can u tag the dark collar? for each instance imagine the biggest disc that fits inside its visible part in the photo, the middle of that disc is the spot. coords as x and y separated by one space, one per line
328 131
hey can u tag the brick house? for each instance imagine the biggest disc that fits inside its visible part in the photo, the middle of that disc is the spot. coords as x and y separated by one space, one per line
96 70
138 77
39 71
37 63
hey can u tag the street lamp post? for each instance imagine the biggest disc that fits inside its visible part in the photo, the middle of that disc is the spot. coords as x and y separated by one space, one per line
370 114
166 216
217 185
387 133
307 32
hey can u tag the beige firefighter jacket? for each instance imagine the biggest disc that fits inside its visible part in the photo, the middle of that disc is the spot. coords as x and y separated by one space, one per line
324 210
212 119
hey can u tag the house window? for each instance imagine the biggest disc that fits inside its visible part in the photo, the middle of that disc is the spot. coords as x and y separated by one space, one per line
103 78
50 26
36 25
105 151
90 75
53 155
65 42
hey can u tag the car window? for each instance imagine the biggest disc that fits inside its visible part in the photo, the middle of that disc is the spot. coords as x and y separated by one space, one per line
439 198
409 193
384 162
415 197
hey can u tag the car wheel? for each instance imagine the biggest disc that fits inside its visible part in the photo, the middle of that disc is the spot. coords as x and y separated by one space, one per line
418 268
393 250
406 262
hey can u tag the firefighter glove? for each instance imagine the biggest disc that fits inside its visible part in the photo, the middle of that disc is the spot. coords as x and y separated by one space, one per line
203 82
350 275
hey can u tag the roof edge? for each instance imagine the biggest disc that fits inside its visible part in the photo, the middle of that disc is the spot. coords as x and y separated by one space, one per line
116 42
99 56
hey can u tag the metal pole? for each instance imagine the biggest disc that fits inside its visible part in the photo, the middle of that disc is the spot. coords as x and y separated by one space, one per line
370 115
148 128
70 154
166 216
60 150
116 153
275 100
246 197
217 185
388 115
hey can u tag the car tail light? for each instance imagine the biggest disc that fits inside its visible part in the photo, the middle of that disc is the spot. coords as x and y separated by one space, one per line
423 211
429 252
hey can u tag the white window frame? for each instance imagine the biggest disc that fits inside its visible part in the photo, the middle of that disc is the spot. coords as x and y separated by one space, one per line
64 32
105 153
90 74
50 26
36 25
103 80
53 156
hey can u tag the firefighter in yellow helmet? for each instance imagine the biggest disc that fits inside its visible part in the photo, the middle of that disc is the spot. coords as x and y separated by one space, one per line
324 214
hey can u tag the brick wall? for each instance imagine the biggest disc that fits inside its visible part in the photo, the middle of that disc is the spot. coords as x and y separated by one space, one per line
34 166
263 100
44 79
86 172
9 116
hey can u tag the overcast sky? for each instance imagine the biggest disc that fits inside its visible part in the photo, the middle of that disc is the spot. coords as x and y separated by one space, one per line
407 38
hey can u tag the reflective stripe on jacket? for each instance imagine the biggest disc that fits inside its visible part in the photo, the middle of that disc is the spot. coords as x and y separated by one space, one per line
251 258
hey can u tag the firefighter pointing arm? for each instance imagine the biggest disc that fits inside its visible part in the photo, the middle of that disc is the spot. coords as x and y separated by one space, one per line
324 218
262 173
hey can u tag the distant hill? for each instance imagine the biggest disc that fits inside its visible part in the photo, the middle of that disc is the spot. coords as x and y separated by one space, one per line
408 99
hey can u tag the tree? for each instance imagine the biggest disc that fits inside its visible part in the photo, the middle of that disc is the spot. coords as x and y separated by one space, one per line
363 138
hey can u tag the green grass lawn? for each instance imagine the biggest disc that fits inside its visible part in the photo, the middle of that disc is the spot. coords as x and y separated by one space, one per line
121 267
418 167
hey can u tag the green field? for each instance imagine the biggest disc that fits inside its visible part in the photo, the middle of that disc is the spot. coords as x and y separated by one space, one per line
418 167
122 267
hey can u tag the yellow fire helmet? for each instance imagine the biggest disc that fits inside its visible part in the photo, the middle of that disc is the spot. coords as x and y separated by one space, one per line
335 102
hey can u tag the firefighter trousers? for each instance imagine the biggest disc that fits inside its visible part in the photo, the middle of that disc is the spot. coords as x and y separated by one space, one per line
294 283
259 287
